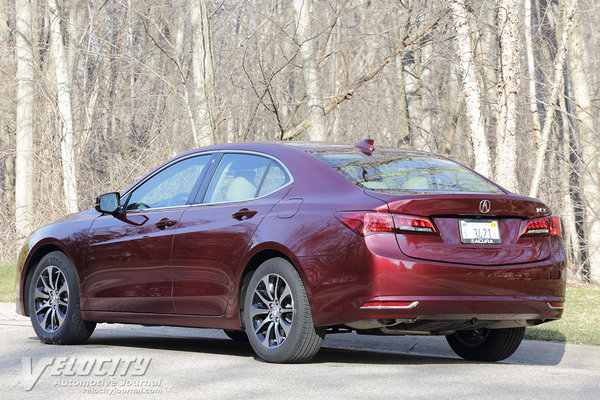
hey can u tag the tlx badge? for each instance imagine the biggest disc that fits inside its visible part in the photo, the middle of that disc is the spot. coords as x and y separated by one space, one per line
484 206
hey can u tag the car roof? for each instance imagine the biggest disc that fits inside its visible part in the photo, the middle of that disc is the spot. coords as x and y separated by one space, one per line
282 150
304 147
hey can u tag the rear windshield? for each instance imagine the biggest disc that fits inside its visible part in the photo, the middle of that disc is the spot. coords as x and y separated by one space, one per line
406 172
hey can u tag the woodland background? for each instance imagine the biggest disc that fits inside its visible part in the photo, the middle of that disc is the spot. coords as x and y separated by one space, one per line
95 93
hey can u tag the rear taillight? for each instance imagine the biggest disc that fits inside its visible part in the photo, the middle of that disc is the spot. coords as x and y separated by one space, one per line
366 223
411 223
546 226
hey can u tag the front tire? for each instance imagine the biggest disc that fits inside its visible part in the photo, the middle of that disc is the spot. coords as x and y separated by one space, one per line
277 315
53 301
486 344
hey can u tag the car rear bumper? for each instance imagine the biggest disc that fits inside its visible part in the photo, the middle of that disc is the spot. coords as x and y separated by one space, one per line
443 314
433 296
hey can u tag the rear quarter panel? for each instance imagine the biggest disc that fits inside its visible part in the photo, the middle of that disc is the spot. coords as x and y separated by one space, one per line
321 248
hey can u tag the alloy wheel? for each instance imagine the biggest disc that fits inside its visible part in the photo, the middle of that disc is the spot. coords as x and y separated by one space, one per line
272 310
51 299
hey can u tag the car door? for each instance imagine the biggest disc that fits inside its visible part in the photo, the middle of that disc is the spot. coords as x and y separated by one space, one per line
129 255
215 233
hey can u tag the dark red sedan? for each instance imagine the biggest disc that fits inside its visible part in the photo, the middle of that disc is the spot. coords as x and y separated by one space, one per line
281 243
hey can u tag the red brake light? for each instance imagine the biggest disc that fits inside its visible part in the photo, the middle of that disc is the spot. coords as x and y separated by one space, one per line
413 224
367 146
366 223
546 226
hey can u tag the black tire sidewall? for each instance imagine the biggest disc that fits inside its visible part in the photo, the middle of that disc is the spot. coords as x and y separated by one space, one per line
288 349
498 345
73 315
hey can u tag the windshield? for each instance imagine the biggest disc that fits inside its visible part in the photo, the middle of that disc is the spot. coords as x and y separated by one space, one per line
406 172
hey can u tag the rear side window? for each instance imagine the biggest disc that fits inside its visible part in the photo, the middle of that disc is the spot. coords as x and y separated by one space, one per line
406 172
275 178
237 178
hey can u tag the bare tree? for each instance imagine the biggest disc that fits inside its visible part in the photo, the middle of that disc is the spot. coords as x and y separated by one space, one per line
63 87
348 92
204 75
531 72
316 113
568 206
508 89
7 170
589 140
472 93
567 22
24 213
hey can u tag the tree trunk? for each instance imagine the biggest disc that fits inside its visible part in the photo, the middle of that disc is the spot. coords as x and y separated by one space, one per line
403 124
568 207
8 185
203 71
316 113
426 88
414 98
559 62
348 92
7 195
24 121
531 75
589 142
508 89
63 86
403 118
471 90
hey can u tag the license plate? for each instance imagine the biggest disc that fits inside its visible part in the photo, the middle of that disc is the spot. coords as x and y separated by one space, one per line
479 231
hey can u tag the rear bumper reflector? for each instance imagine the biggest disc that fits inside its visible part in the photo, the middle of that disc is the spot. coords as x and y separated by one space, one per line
389 305
556 304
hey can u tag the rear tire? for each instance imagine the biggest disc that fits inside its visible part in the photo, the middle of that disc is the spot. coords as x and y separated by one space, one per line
53 301
277 315
486 344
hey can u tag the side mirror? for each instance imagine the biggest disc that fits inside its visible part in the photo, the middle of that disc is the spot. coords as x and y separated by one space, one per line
108 203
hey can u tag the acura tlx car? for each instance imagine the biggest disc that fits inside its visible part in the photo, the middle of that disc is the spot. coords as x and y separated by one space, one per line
281 243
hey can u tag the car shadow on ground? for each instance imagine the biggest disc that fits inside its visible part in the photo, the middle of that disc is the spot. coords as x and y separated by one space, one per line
243 349
337 354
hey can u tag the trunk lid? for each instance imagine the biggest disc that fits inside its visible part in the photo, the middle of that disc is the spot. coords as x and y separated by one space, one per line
447 210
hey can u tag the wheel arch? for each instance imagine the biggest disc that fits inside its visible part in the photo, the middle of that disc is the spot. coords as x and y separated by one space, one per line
256 259
30 265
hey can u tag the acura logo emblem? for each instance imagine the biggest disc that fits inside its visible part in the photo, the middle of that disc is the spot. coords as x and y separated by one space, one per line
484 206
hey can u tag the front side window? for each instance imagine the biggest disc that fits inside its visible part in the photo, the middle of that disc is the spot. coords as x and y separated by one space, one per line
237 178
171 187
406 172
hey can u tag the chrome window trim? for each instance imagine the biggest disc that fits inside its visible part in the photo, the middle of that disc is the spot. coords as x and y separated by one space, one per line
208 152
242 201
148 210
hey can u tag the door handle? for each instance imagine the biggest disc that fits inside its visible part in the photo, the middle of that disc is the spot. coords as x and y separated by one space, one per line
165 223
243 214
